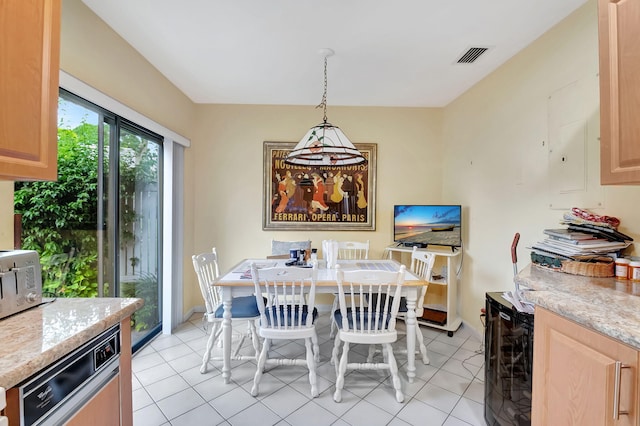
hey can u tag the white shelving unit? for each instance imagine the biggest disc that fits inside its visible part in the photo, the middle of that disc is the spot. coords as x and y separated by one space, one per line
446 264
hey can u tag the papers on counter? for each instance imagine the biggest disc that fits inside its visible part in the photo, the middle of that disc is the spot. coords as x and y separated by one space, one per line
516 300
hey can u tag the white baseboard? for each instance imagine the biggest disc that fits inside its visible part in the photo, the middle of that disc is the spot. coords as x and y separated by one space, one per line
190 312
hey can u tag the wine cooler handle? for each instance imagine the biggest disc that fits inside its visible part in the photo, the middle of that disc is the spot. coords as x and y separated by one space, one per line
616 390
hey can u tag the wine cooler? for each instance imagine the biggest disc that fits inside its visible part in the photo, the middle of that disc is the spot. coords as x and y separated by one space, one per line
508 363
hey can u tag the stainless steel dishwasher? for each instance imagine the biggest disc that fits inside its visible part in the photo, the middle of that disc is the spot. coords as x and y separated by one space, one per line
54 395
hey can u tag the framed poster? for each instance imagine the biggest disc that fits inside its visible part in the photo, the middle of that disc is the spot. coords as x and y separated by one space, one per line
318 198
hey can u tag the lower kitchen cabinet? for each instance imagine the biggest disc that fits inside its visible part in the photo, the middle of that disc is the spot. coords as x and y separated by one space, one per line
581 377
103 409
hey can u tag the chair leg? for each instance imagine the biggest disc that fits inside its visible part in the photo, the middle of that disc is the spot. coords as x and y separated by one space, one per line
423 348
316 347
334 326
311 365
254 338
393 368
335 352
337 396
207 352
262 360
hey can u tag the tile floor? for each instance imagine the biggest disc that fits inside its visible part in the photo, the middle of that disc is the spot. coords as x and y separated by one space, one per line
168 388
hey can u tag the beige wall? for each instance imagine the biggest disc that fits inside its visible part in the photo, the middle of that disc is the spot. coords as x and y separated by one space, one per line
496 163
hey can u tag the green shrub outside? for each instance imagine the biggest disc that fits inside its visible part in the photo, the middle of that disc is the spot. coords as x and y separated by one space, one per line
59 218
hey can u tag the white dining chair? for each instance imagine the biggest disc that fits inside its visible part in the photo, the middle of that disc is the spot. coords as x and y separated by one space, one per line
421 266
280 248
348 250
287 311
242 309
363 322
354 250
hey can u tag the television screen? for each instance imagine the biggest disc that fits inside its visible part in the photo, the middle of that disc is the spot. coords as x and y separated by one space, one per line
425 225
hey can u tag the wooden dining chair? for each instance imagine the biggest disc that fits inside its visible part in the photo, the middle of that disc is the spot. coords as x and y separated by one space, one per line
348 250
242 309
362 322
287 311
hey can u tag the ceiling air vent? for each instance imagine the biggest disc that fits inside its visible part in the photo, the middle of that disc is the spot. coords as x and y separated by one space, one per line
471 55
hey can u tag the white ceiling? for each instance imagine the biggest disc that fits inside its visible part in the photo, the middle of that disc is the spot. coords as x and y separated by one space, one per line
387 53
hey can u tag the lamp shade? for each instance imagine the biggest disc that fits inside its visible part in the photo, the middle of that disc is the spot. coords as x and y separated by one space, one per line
325 145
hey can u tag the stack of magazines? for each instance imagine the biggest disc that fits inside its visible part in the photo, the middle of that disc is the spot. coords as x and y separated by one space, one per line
585 235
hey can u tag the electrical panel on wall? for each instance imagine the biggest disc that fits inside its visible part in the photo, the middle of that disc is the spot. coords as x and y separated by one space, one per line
574 146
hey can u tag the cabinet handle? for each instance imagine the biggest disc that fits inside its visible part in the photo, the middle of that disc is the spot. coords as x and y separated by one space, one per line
616 390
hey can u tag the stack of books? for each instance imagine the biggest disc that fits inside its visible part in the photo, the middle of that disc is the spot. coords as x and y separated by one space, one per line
579 241
587 246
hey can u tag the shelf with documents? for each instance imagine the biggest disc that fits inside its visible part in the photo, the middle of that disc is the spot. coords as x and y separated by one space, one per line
442 293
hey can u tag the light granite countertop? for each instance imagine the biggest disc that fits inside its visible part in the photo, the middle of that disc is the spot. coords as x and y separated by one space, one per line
607 305
35 338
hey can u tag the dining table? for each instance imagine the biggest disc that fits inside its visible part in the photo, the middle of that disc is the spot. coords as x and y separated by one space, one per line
238 282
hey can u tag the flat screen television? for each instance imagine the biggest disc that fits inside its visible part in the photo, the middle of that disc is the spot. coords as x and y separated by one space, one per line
425 225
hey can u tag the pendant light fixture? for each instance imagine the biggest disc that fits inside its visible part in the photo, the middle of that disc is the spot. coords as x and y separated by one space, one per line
325 144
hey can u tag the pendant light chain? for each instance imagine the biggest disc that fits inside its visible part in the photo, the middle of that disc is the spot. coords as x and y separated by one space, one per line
323 103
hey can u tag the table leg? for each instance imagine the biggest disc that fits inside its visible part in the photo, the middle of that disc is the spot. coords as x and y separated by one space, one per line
411 333
226 335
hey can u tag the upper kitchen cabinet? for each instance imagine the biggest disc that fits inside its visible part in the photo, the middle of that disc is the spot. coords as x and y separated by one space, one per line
29 70
619 33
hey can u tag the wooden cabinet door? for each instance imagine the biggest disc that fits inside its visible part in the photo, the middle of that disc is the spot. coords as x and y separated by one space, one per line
101 410
29 73
619 32
574 375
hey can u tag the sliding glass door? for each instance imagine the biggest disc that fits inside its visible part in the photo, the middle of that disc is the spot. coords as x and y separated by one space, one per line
98 227
139 224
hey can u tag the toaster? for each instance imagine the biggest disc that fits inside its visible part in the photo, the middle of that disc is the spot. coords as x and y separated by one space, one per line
20 281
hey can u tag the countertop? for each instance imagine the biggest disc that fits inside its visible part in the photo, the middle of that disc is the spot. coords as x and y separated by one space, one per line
606 305
35 338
